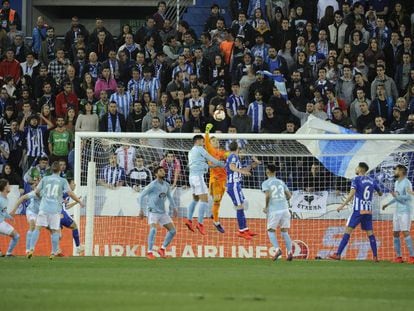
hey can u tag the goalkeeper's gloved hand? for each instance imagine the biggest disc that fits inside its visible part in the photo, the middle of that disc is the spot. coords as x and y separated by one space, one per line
209 126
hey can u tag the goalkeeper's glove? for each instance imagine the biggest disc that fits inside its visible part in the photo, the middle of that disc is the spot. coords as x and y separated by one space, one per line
209 126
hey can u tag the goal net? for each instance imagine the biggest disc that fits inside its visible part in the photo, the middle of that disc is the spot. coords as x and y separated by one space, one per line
111 169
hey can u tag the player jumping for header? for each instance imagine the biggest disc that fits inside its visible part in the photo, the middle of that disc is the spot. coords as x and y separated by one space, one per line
362 191
198 159
234 190
401 220
157 191
217 183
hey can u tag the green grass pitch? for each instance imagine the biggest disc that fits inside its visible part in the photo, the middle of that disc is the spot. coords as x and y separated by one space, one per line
203 284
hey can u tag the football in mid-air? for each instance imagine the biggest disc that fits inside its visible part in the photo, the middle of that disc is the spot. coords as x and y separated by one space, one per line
219 115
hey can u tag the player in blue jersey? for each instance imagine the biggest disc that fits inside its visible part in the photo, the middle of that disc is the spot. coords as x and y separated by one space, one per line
362 192
66 219
32 209
157 191
6 228
198 165
234 172
277 196
51 189
401 220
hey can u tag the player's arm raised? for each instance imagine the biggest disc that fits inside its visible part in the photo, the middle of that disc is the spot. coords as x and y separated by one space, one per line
347 200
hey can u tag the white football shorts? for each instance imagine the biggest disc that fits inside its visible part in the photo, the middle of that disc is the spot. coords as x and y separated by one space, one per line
48 220
278 219
198 185
156 218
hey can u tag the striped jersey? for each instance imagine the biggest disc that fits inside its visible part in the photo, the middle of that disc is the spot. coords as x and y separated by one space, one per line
123 102
195 103
150 86
34 140
233 177
112 174
133 88
364 190
234 102
256 112
186 69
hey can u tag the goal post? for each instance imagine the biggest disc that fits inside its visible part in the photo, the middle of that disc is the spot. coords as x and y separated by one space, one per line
110 227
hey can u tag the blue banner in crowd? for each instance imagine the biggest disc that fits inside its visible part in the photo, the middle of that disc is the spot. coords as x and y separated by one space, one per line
341 157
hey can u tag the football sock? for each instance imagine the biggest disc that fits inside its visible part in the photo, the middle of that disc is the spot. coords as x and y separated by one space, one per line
35 237
201 211
216 206
409 243
191 208
13 243
55 242
373 244
28 239
151 238
288 241
241 219
75 235
273 238
168 237
397 246
343 243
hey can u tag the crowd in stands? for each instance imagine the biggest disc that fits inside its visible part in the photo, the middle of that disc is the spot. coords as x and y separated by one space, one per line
348 62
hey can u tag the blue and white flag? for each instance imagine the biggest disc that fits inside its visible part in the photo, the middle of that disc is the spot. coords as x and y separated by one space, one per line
341 157
279 82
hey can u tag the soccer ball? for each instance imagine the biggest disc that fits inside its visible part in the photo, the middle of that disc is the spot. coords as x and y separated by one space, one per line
219 115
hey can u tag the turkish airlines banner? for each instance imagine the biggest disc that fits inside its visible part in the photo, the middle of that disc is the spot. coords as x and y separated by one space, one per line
127 236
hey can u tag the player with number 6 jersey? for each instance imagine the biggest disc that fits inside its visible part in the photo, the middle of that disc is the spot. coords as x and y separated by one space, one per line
362 192
277 196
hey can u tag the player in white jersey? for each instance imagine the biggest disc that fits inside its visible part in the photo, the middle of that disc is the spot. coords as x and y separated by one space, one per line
32 210
51 189
277 196
6 228
401 220
198 165
157 191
